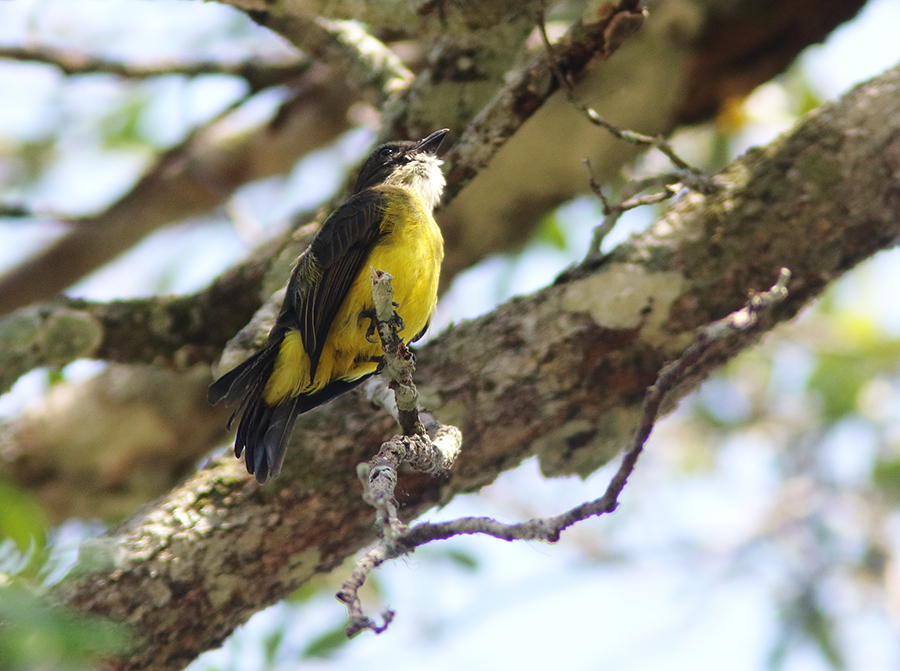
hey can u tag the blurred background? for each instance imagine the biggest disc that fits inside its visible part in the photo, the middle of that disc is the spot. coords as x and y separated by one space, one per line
760 530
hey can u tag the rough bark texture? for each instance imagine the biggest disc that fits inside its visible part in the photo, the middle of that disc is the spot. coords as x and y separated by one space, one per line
560 373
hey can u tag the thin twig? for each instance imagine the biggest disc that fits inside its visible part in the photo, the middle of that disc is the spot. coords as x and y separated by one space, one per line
669 377
349 594
429 452
687 175
613 212
549 529
698 178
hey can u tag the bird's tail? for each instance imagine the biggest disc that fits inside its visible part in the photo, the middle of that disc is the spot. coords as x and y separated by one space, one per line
264 429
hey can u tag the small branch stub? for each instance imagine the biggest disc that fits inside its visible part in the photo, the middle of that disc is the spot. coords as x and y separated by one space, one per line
430 451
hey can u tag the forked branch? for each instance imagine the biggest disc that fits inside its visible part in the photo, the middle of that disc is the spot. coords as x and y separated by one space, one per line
380 477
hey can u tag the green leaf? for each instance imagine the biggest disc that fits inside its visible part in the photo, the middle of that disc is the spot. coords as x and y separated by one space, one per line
21 518
804 622
121 127
837 382
820 630
271 644
36 635
463 559
551 231
327 644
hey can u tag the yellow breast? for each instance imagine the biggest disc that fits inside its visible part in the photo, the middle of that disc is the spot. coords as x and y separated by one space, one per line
411 249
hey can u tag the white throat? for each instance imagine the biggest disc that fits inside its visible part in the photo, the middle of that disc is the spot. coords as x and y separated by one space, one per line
422 175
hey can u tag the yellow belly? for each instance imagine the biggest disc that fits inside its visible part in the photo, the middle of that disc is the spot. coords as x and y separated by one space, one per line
412 251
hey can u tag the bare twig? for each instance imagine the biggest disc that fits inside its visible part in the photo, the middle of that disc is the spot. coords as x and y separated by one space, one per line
612 212
687 175
426 453
549 528
694 177
349 594
429 454
72 62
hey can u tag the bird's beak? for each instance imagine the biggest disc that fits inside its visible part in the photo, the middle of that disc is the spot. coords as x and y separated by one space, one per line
431 143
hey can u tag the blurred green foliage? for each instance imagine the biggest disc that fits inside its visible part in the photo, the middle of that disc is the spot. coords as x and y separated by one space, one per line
327 644
35 634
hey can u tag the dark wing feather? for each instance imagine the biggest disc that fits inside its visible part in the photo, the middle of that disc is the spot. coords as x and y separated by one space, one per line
318 286
234 384
336 257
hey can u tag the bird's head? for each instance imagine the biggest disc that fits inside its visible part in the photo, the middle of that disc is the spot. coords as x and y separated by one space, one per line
409 164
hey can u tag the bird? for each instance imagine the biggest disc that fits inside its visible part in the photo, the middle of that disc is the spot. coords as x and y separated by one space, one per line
320 345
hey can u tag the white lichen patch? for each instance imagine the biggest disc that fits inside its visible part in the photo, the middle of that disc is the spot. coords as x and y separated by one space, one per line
221 587
158 593
300 568
626 296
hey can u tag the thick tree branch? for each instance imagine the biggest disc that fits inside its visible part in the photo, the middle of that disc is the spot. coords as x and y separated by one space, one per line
176 331
560 374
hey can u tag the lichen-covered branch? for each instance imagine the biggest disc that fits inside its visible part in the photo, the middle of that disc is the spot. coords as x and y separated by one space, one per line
375 70
529 87
178 331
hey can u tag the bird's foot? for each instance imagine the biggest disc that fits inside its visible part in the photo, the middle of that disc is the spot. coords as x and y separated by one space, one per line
370 315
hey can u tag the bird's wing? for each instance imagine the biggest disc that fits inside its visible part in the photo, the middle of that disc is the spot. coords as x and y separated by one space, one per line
325 273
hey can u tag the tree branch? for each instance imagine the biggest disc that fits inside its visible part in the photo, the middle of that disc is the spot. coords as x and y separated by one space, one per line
346 46
71 62
113 326
403 540
528 88
187 181
176 331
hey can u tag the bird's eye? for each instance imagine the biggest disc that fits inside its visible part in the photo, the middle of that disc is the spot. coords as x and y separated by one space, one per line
385 152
